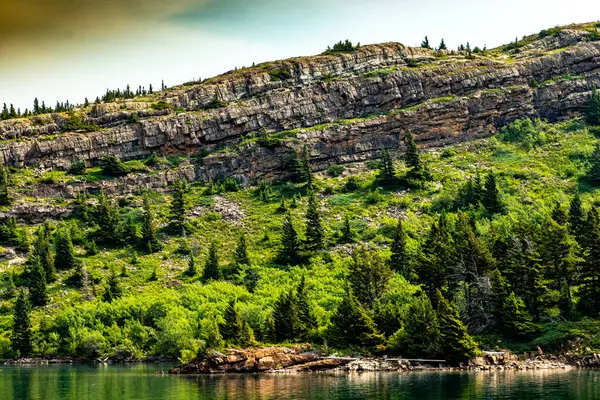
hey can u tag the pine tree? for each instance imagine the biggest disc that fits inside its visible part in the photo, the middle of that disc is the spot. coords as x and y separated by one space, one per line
232 328
456 343
108 219
576 217
178 207
368 276
212 271
64 251
589 273
289 252
112 290
399 259
21 332
420 336
387 173
593 174
240 254
351 325
442 45
592 108
306 173
42 249
149 240
305 314
314 227
416 170
491 195
5 198
191 269
347 232
286 321
425 43
559 214
509 311
37 284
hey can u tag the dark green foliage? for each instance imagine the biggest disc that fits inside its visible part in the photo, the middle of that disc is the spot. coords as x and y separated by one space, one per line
559 214
64 252
368 276
112 289
5 198
149 240
387 173
112 166
42 249
456 343
425 43
420 336
593 174
212 270
108 219
417 171
442 45
399 259
589 241
335 170
306 319
347 231
594 35
576 216
289 252
341 47
351 325
529 133
491 199
77 167
178 207
280 74
240 254
286 320
232 327
191 269
509 311
305 170
21 332
37 284
314 227
592 109
251 279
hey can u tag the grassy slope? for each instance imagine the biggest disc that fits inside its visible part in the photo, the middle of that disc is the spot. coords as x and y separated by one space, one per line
175 309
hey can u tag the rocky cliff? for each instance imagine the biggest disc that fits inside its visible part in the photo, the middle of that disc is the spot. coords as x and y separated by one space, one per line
343 107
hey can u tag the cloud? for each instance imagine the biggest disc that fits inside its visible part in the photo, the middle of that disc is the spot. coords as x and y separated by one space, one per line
30 26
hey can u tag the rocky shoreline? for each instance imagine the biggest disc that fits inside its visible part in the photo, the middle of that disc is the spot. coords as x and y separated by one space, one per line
305 359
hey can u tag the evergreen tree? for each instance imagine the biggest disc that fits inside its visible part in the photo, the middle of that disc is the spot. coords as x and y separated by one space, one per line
42 249
387 173
149 240
442 45
491 195
509 311
576 217
108 219
590 268
399 259
368 276
37 284
417 172
559 214
240 254
232 328
113 289
306 173
425 43
64 251
347 232
286 321
178 207
420 336
351 325
5 198
191 269
592 108
289 253
593 174
21 332
36 107
314 227
456 343
306 319
212 271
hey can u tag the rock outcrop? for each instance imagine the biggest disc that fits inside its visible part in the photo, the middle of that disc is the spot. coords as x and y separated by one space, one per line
344 107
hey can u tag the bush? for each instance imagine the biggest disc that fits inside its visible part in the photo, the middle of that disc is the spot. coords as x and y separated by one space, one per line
335 170
529 133
162 105
77 167
112 166
342 47
280 74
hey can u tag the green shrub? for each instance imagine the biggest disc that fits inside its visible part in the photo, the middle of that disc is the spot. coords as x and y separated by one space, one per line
280 74
342 47
77 167
162 105
550 32
112 166
529 133
335 170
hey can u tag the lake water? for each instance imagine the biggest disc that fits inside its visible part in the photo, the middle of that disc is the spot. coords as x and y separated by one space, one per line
113 382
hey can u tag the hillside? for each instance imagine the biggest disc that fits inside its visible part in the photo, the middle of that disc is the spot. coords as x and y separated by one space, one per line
263 206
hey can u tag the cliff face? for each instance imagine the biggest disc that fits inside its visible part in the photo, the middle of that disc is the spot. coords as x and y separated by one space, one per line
344 107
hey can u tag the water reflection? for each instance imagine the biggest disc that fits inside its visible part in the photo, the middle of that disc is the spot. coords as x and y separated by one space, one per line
139 382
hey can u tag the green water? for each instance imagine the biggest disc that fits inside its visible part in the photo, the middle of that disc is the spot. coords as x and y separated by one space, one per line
80 382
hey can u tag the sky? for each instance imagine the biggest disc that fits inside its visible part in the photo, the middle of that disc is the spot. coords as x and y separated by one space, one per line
72 49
